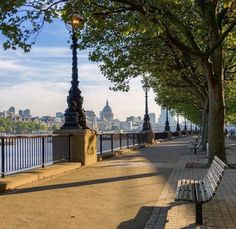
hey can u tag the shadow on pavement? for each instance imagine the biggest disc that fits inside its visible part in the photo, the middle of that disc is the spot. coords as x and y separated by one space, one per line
139 221
151 217
82 183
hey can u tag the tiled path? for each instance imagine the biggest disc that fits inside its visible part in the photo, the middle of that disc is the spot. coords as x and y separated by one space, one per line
218 213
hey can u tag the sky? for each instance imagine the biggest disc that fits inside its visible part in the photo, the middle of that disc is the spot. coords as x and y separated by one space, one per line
40 80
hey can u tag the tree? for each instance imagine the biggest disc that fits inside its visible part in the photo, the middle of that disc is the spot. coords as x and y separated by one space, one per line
121 31
198 29
2 129
22 20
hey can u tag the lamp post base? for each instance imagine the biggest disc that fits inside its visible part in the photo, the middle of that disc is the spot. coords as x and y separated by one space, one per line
71 121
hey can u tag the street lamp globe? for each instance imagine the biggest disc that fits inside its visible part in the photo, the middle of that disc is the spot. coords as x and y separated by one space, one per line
146 87
74 21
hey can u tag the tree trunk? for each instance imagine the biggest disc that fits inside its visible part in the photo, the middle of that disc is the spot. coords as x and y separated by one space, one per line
205 117
216 137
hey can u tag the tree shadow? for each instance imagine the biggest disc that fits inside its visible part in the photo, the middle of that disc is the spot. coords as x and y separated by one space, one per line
139 221
151 217
82 183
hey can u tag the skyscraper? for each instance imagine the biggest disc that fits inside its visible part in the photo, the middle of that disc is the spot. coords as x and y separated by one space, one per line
152 118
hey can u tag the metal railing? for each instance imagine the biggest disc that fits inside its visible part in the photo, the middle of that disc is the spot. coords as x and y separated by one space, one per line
111 142
23 152
164 135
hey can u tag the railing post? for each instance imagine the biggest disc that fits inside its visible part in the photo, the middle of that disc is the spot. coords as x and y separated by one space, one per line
133 139
127 140
3 157
139 139
111 142
100 143
43 152
120 141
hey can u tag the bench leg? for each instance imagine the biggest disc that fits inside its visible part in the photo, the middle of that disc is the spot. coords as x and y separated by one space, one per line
199 213
195 150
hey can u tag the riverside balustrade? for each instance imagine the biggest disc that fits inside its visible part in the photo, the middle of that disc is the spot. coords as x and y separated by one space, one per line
111 142
165 135
23 152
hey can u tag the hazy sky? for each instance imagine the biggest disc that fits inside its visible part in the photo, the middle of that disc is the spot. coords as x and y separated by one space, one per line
40 80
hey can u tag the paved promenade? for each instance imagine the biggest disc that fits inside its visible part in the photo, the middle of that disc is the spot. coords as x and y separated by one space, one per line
132 191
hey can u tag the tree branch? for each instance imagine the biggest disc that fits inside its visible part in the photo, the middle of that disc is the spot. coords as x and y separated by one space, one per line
221 39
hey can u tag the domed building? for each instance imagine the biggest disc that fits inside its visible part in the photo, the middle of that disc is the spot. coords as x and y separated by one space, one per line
106 113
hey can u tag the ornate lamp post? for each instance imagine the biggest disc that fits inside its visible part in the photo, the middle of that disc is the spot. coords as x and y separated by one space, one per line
191 127
74 115
167 126
178 126
146 123
185 124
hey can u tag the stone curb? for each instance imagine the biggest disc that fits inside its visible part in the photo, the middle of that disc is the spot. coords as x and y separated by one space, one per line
13 181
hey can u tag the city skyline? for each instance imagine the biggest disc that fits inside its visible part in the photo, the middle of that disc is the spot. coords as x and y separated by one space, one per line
40 80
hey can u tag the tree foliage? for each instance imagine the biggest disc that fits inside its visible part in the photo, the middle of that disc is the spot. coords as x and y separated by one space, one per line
131 38
20 127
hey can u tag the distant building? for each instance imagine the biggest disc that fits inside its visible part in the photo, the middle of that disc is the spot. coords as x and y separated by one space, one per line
12 111
152 118
2 114
26 113
126 126
106 113
104 125
162 120
136 122
21 113
91 119
59 115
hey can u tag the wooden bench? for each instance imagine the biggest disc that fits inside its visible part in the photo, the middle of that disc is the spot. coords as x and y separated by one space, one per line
194 145
201 191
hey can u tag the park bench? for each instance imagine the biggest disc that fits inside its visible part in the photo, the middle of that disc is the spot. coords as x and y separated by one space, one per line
201 191
194 145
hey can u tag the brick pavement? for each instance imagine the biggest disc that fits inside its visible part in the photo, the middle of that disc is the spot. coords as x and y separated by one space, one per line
219 213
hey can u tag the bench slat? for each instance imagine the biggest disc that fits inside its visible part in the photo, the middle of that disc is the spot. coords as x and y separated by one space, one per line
182 190
193 190
218 166
223 165
216 171
215 175
213 180
200 192
185 190
210 188
178 189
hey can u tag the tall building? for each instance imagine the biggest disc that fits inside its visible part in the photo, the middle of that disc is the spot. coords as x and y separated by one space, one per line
12 111
126 126
152 118
162 120
26 113
106 113
59 115
21 113
91 119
